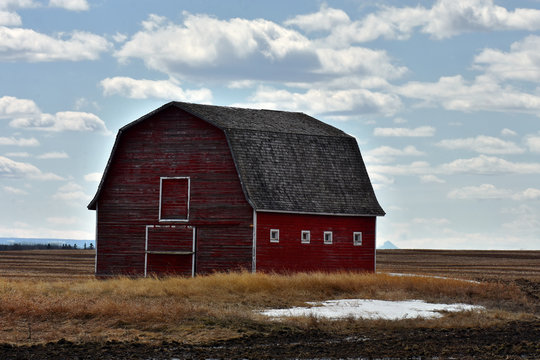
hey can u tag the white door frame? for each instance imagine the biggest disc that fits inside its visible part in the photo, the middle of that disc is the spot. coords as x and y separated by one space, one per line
193 247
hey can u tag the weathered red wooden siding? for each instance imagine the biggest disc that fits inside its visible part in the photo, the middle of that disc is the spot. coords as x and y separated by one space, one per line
290 254
172 143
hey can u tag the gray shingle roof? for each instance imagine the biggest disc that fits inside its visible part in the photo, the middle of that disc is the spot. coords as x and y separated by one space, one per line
289 161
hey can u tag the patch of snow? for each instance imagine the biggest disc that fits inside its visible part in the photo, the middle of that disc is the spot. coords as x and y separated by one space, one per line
371 309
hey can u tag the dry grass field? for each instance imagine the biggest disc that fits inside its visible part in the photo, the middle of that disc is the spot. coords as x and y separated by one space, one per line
51 304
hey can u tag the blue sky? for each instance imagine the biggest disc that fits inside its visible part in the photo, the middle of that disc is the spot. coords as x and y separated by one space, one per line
443 98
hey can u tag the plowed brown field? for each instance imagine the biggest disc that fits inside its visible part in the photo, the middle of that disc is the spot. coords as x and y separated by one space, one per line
471 264
47 264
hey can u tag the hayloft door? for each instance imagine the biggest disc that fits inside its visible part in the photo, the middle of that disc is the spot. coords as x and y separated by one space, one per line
170 250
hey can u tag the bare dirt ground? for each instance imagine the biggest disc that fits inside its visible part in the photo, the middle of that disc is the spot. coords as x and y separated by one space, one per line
513 340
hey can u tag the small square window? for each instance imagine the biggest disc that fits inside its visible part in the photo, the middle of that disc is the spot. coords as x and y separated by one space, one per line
274 235
327 237
357 239
306 236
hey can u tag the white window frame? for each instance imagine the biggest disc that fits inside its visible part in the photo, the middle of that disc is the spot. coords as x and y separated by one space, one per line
274 239
355 241
307 238
328 242
161 194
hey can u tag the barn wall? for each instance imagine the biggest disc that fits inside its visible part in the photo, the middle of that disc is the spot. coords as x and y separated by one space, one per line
171 143
290 254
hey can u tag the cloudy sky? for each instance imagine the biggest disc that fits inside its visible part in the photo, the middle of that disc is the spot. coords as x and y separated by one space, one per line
443 98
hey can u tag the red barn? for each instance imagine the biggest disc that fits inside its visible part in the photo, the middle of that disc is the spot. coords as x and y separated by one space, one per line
193 189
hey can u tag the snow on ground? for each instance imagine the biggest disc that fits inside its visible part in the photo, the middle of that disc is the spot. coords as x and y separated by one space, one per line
371 309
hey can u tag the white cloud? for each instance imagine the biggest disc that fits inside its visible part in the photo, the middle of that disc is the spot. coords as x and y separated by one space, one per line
16 191
452 17
444 19
533 142
526 222
63 220
19 141
320 101
480 165
203 41
242 50
26 114
379 181
488 165
390 151
54 155
241 84
508 132
520 63
93 177
8 18
62 121
325 19
489 191
72 5
426 179
482 94
14 169
17 44
19 231
161 89
119 37
484 191
385 154
422 131
72 193
12 107
431 221
414 168
18 154
482 144
358 61
451 239
528 194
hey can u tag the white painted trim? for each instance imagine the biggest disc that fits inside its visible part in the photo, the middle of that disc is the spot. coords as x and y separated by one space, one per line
271 239
331 238
354 237
161 193
146 249
308 237
194 249
254 250
312 213
96 241
146 252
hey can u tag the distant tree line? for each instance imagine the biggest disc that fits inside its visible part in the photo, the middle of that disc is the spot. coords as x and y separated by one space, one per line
16 246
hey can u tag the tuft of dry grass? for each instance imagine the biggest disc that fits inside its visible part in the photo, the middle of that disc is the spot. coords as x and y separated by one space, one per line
221 305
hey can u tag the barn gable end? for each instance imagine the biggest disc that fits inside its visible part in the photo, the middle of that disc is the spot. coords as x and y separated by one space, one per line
132 232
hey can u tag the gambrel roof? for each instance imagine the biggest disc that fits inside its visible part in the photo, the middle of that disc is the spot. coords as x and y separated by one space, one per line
287 161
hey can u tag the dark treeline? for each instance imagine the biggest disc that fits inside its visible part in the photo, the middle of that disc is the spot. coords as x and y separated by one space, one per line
7 247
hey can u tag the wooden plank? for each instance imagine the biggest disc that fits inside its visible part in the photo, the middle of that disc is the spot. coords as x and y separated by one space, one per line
170 252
